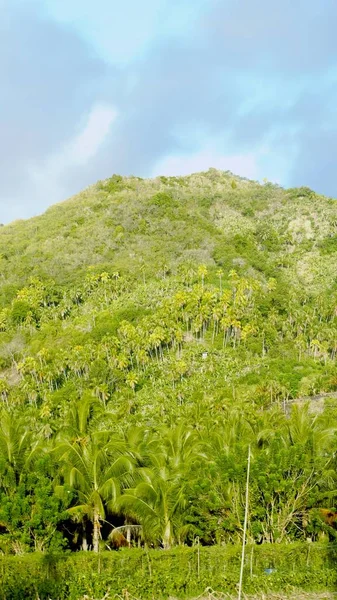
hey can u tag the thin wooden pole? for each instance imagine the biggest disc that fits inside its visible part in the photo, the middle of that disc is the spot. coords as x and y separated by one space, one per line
244 527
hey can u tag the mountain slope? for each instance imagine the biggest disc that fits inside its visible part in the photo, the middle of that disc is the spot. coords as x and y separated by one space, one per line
212 218
161 254
150 331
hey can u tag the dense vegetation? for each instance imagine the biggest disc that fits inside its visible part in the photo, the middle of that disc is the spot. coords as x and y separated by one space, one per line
178 573
149 332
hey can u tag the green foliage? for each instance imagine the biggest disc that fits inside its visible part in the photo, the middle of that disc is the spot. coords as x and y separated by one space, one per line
20 311
31 514
329 245
151 574
111 185
169 324
301 192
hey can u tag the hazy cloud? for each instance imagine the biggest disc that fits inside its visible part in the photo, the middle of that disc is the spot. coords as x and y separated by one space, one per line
48 176
49 79
244 165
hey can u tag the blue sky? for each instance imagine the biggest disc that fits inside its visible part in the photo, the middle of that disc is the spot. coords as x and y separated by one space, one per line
89 89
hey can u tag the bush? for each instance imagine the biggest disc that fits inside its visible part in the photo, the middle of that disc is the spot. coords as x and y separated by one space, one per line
113 184
20 311
328 245
160 574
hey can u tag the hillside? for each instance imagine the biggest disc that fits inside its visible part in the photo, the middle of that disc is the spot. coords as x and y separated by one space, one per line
211 218
149 331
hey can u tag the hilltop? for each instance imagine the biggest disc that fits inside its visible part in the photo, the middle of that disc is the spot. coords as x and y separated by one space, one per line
212 218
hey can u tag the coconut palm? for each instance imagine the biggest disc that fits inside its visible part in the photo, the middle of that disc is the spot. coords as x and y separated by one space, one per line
308 430
202 272
18 449
95 469
159 500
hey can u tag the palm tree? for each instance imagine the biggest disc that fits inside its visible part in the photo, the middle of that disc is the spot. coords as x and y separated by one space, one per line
220 275
235 429
18 449
310 431
159 499
202 272
95 468
131 379
83 416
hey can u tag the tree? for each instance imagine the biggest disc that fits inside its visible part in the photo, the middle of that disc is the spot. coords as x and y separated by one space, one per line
202 272
18 450
31 513
159 500
95 469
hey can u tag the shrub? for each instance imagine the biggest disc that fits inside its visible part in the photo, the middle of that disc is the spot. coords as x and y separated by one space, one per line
161 574
20 311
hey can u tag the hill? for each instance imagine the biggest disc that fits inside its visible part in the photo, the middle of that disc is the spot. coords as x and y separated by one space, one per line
149 331
211 218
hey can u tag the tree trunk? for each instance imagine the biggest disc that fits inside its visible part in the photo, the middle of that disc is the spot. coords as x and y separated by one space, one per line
84 544
84 537
128 535
167 536
96 532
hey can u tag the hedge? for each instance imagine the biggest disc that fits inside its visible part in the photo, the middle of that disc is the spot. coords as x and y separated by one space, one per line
182 572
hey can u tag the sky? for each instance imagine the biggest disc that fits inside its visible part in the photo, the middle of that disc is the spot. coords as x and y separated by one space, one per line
164 87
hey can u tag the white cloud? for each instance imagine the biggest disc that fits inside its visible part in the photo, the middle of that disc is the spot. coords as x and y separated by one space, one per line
48 177
85 145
